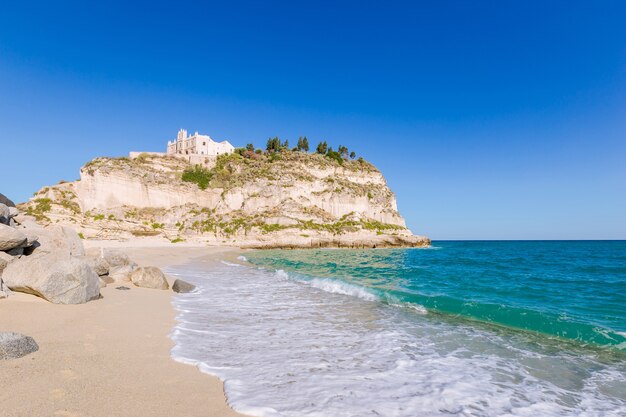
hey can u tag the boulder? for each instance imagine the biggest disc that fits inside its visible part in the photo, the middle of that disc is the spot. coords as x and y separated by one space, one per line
106 279
5 259
31 239
61 238
181 286
4 214
121 273
116 258
111 262
10 238
149 277
56 277
6 201
98 264
16 345
13 212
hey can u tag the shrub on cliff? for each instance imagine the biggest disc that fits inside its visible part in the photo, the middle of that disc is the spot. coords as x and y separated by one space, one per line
198 175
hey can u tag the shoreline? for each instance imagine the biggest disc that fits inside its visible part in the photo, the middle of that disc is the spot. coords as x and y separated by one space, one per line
108 357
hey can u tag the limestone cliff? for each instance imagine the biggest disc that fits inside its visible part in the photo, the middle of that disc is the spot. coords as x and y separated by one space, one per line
291 199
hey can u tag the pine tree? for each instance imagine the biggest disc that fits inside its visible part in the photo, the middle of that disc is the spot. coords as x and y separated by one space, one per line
322 148
305 144
273 144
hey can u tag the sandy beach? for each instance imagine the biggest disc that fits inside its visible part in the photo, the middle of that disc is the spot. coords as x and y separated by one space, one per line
109 357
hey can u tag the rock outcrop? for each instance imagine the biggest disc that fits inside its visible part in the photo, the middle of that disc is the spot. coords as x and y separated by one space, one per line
149 277
16 345
291 199
58 278
44 261
181 286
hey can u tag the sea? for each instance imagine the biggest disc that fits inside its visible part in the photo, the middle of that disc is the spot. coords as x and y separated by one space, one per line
462 328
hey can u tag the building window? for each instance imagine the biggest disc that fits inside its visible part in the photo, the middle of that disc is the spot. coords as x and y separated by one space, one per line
203 143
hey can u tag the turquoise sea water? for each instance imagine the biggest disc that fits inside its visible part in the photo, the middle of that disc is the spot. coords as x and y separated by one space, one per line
461 328
568 289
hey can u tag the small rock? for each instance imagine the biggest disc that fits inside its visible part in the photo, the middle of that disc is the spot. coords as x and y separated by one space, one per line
181 286
16 345
10 238
122 288
149 277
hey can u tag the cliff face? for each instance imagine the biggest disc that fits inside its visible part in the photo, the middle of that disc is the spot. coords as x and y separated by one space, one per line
291 199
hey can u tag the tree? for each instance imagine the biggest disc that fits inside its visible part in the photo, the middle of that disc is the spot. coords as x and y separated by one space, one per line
352 155
343 151
305 144
322 148
286 144
273 145
250 147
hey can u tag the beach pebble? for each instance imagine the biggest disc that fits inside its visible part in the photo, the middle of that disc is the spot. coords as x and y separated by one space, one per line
16 345
181 286
149 277
122 288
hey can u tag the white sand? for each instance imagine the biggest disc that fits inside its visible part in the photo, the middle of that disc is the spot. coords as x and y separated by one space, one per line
109 357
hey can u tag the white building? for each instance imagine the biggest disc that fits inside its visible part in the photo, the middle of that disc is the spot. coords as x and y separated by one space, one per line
197 144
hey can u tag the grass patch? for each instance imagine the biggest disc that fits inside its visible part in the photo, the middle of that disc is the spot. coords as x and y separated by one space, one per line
198 175
42 206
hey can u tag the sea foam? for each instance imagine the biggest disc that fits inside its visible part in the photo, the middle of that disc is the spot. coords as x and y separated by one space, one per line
288 345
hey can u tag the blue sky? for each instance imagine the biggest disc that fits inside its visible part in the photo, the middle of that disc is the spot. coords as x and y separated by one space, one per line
490 119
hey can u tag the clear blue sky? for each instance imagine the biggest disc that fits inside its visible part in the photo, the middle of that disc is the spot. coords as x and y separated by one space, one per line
490 119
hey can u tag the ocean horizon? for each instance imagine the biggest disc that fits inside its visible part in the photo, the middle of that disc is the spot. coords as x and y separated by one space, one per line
467 328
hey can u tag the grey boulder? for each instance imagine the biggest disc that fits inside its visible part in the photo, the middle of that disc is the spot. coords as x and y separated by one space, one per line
16 345
4 200
149 277
60 239
4 214
5 259
181 286
110 261
57 278
10 238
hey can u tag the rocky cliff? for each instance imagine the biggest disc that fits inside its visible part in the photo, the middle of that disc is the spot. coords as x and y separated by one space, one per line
289 199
